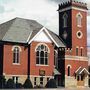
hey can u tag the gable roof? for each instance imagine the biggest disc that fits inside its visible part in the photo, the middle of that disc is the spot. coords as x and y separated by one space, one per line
23 30
80 70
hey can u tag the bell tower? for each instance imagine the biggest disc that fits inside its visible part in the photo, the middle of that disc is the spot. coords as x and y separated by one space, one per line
73 25
73 31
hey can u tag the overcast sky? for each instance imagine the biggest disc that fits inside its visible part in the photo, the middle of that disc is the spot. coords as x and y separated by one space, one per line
44 11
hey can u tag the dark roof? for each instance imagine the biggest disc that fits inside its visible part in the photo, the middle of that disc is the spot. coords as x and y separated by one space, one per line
20 30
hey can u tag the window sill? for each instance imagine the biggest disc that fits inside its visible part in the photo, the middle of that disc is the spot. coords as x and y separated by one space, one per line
16 63
41 65
79 26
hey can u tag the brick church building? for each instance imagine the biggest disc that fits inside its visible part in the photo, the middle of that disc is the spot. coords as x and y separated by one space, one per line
30 50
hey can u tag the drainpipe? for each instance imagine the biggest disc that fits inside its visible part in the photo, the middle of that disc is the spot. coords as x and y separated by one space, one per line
28 72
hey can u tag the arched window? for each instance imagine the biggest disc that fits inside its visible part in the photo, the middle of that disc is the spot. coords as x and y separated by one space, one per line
42 54
55 58
76 51
65 17
68 70
79 19
16 54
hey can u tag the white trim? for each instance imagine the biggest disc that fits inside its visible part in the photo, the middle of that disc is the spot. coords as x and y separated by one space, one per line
65 16
16 64
79 58
69 66
77 69
78 15
83 70
42 65
51 38
39 76
42 44
29 36
16 46
72 7
79 37
47 33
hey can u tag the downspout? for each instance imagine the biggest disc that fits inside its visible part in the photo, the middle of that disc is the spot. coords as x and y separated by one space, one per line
28 71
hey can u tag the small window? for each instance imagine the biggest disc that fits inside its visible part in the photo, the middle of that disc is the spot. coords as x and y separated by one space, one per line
81 52
65 18
35 78
55 58
79 19
47 79
41 80
76 51
68 70
16 55
15 79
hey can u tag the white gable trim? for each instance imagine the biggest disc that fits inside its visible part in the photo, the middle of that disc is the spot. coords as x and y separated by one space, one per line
47 34
83 70
77 69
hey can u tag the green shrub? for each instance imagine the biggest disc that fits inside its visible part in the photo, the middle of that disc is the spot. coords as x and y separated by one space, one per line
27 84
10 83
51 84
2 81
19 85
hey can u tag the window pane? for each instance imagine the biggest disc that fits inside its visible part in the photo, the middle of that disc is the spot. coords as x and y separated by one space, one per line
13 57
76 51
37 53
37 60
46 61
46 54
16 55
17 60
42 60
38 48
42 54
68 70
42 47
41 80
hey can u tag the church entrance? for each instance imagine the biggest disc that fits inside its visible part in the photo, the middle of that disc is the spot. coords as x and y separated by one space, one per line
81 75
80 80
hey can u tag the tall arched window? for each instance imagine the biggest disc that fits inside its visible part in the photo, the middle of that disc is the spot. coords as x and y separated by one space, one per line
65 17
68 70
79 19
55 58
42 54
16 54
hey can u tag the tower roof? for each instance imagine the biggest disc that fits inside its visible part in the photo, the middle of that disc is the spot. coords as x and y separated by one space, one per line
74 3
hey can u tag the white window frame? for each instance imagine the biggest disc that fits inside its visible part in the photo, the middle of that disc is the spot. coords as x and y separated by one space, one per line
15 79
55 58
79 19
17 57
47 51
69 67
65 16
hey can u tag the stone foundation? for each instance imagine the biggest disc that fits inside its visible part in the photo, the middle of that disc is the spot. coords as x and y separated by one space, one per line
22 78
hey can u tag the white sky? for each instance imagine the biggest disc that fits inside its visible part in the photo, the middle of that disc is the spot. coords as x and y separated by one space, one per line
44 11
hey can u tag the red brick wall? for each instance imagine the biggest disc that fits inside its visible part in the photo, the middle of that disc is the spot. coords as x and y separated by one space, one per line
75 41
75 65
34 70
9 67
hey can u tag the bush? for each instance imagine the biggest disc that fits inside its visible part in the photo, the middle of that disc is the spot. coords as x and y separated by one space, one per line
27 84
51 84
10 84
19 85
2 81
38 86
